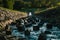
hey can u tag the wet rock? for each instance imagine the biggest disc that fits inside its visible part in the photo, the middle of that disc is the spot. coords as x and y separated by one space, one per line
35 28
20 28
13 23
31 20
27 32
42 36
47 32
6 27
19 21
8 32
58 26
41 23
49 26
2 38
35 19
28 25
22 39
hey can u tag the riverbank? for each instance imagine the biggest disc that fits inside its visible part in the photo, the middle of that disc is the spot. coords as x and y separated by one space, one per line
7 16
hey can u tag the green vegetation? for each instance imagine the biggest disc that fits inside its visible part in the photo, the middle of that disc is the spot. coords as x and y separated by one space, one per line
20 4
7 4
1 4
10 4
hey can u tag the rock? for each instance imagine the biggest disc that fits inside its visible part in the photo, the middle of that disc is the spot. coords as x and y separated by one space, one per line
35 28
7 16
28 25
47 32
13 23
2 38
20 28
42 36
22 39
27 32
8 32
49 26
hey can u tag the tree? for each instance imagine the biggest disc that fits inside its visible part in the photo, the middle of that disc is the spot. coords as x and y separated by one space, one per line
1 3
8 3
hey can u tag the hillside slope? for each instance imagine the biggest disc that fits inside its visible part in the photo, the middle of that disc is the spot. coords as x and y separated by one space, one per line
7 16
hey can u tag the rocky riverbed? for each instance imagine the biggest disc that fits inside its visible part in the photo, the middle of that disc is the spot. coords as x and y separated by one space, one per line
45 26
7 16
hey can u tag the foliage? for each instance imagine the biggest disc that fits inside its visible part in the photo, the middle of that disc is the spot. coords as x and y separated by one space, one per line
1 3
19 4
7 3
10 4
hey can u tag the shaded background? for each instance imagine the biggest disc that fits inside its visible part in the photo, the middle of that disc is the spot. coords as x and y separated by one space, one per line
24 5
